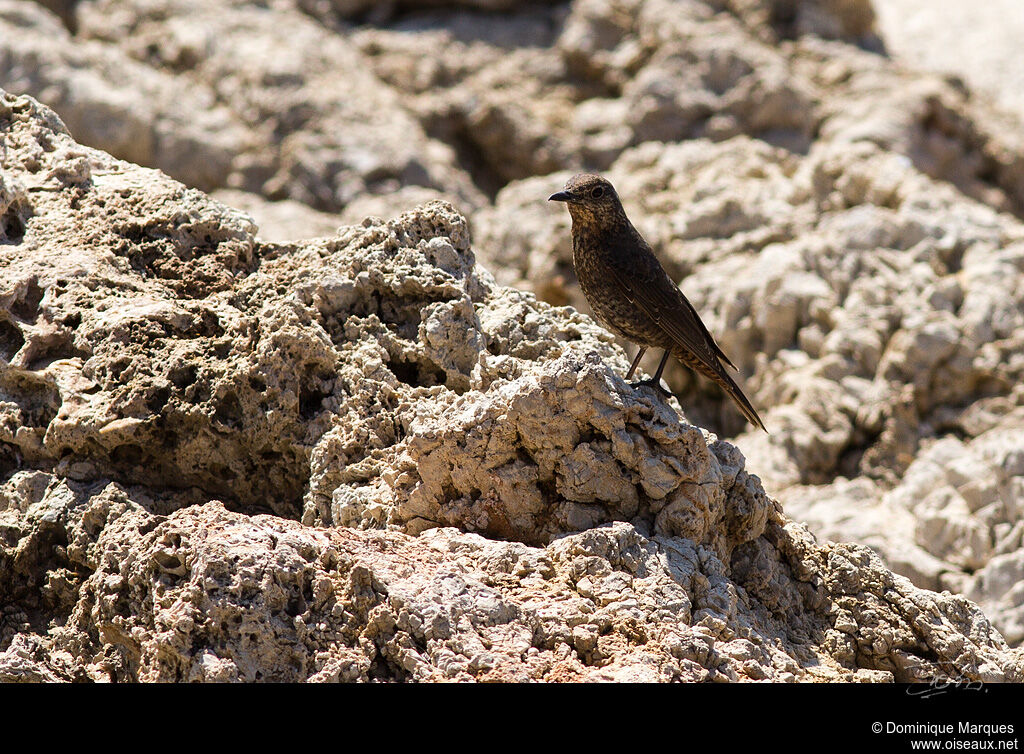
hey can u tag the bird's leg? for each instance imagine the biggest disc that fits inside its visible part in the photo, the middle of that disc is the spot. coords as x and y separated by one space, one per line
655 381
636 361
661 368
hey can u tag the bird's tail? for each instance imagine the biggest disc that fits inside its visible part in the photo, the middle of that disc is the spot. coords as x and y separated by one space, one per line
722 379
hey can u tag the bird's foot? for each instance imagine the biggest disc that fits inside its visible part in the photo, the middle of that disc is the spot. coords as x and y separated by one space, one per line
655 384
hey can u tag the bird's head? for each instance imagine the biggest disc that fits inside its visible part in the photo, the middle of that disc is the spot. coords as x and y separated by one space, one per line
590 198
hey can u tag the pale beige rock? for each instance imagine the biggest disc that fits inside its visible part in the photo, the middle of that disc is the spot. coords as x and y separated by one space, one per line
160 84
119 327
281 221
560 449
869 306
846 226
312 140
290 220
160 358
205 594
952 522
19 663
118 104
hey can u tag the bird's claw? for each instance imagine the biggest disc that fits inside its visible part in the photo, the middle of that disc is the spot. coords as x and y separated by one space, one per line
656 385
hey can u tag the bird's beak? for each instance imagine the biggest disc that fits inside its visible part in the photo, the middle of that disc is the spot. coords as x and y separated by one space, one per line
561 196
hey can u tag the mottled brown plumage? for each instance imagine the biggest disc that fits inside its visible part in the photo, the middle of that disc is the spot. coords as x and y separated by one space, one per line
631 293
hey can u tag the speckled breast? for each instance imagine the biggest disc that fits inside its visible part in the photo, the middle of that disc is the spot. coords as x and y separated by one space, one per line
613 309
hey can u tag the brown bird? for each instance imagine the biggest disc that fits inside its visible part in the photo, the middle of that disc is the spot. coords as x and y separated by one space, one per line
631 293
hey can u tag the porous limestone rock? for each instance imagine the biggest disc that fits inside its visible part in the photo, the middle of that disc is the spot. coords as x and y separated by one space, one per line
119 336
118 104
872 310
188 87
953 521
206 594
482 496
847 226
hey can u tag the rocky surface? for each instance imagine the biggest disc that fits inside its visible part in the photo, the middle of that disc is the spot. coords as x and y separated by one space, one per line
169 381
205 594
847 226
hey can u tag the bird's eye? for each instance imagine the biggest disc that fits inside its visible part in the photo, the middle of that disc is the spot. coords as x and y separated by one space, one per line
597 192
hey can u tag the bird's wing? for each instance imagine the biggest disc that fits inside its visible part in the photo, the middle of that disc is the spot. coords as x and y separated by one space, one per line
646 284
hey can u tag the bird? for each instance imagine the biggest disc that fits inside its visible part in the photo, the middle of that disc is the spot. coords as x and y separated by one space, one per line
630 292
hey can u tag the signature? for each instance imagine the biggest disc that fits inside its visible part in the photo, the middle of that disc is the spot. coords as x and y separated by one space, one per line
940 684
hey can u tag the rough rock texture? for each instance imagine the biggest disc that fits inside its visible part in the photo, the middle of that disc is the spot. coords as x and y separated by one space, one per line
953 522
848 226
482 497
171 94
205 594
